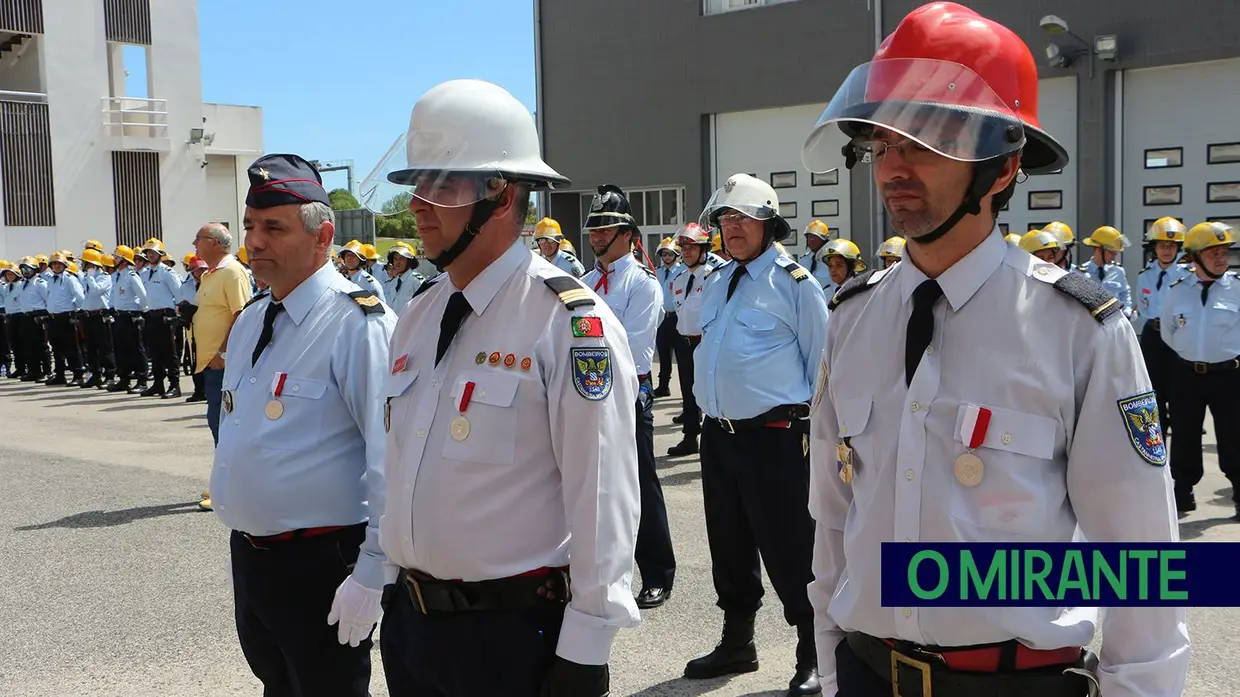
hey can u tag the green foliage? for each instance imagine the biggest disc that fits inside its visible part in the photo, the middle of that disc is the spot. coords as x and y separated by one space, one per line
342 200
396 220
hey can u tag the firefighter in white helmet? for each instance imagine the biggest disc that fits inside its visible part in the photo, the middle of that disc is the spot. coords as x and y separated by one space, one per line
511 450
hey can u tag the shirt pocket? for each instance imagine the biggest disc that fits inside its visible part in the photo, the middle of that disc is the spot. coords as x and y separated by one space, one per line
709 314
1020 477
762 330
302 418
487 432
397 396
1224 313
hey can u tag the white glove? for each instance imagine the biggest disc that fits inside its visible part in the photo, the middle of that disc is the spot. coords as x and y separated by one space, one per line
357 609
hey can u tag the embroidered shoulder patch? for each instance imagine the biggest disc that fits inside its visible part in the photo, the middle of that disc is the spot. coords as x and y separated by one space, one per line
592 372
1141 419
368 301
587 326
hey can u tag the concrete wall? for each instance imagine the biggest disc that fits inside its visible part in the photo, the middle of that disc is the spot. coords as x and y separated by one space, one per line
237 141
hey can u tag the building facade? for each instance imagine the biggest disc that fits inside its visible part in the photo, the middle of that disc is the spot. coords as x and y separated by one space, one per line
81 158
686 93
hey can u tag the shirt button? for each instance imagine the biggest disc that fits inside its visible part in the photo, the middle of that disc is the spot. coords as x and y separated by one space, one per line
236 422
915 406
906 612
908 474
253 380
1007 439
296 387
929 349
435 382
421 433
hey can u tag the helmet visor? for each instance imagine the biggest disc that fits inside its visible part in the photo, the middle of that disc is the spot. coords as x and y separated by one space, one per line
726 203
943 106
442 180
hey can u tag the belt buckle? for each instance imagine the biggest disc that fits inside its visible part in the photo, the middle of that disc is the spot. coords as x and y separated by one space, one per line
417 593
921 666
1201 368
726 425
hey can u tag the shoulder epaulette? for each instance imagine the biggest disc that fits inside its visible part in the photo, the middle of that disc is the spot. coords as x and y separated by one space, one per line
855 286
423 288
1178 281
569 255
256 298
368 301
1090 293
799 273
570 290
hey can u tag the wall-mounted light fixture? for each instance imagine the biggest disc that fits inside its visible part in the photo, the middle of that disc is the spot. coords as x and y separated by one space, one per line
195 135
1105 47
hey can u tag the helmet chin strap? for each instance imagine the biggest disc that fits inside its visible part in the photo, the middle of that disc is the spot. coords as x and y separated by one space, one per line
482 213
1213 276
985 174
612 241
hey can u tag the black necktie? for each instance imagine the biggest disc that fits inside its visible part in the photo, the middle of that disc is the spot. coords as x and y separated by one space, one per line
736 278
150 275
920 326
1101 273
1161 275
453 315
399 280
269 327
1205 291
813 263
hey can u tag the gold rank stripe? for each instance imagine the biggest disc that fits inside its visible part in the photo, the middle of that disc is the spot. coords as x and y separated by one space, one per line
799 274
574 295
1103 307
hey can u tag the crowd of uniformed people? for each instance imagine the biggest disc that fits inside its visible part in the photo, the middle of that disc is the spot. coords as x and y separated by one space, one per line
467 455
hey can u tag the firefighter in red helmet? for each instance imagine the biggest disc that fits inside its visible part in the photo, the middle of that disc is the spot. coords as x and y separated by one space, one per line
924 428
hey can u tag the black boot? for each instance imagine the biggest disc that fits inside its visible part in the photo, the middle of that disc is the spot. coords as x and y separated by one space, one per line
119 386
687 446
1185 502
735 652
662 391
76 381
805 680
156 388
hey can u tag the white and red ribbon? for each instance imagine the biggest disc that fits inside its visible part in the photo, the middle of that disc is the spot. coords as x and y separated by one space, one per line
973 428
277 384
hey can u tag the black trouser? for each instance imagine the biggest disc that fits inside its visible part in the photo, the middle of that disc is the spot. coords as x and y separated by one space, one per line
178 349
1158 359
160 345
1191 394
664 341
63 333
100 356
282 597
130 349
755 492
653 554
463 654
12 327
33 339
690 413
4 339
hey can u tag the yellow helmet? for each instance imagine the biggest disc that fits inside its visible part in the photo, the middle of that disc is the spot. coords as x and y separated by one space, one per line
153 245
1107 238
1206 235
1062 231
67 254
40 258
669 245
355 248
1012 238
892 247
817 228
124 252
846 249
58 258
188 259
548 229
1166 229
92 256
401 248
95 245
243 256
566 246
1037 240
370 252
109 261
73 268
716 243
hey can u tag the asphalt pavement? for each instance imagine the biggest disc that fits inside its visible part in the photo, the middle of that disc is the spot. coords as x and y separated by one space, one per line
112 583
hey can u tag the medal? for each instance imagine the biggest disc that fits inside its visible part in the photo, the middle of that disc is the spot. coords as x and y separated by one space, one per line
844 461
460 425
969 468
275 408
226 401
387 415
481 358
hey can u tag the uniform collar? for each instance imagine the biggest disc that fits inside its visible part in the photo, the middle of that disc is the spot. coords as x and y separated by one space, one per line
965 277
485 286
625 261
298 303
758 266
1224 280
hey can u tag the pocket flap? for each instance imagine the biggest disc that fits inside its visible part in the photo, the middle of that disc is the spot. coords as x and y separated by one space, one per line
757 320
304 388
1020 432
852 414
396 383
495 389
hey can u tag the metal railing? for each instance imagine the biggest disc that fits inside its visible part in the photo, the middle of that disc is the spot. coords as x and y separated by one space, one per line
23 97
135 117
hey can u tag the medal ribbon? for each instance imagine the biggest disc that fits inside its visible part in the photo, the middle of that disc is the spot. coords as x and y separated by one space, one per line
973 428
277 384
466 394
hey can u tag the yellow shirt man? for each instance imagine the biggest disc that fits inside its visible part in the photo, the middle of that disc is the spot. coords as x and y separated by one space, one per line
222 293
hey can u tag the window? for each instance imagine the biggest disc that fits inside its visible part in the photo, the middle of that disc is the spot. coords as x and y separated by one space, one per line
788 209
783 180
824 178
1163 195
1233 221
1221 192
714 7
1223 153
650 207
135 190
127 21
1161 158
26 165
826 209
1045 200
1003 228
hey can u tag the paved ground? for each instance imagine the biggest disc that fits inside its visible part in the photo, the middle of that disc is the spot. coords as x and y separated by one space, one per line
114 585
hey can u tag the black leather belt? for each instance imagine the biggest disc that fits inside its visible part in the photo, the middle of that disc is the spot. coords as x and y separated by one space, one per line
510 594
1203 368
781 413
923 675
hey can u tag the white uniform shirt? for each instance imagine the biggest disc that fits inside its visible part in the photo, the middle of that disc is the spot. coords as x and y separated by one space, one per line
633 294
545 476
1058 454
1205 332
687 294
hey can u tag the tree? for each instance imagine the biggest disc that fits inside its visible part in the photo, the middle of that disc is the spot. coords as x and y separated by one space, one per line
396 220
342 200
531 215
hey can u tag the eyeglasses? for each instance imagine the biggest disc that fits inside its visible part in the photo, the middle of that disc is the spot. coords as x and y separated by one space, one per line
910 150
732 219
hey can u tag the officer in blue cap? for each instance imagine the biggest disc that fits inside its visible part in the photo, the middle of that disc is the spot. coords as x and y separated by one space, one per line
298 472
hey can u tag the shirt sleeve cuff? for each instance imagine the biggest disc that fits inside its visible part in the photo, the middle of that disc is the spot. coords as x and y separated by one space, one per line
373 572
584 639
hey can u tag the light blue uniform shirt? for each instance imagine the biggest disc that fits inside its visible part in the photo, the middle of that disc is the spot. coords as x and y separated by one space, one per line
762 349
97 287
321 462
34 293
188 292
1206 332
46 274
567 263
403 288
128 291
819 270
666 275
362 279
1114 280
64 294
1153 284
11 298
162 287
